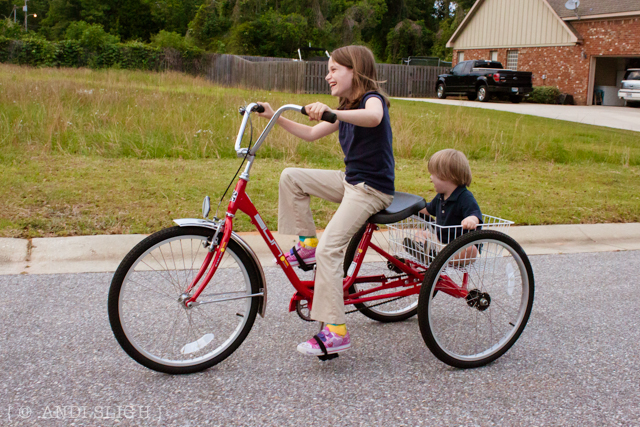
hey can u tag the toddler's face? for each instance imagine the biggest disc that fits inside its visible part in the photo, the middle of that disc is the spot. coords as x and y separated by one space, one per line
340 79
442 186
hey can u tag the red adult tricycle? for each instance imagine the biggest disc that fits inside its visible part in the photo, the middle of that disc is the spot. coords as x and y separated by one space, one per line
186 297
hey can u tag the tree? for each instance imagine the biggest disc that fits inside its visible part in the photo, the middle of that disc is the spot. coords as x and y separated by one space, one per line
211 23
273 34
408 38
357 19
447 28
391 28
174 15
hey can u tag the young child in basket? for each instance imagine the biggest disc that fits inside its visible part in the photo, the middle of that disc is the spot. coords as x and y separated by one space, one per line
364 189
453 205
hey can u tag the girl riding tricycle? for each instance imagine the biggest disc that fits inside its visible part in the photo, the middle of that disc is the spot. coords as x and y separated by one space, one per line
186 297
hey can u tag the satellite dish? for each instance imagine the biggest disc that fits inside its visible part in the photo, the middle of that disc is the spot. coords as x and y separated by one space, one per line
572 4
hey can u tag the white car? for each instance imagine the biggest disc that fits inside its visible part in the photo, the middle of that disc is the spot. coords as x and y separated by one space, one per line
630 87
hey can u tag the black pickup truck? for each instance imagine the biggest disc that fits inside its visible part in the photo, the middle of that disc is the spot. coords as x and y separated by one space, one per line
482 80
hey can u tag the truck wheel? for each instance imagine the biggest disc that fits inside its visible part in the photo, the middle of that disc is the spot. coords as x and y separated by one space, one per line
440 92
516 99
471 96
483 93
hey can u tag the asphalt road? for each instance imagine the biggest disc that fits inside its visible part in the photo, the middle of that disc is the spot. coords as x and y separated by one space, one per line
577 363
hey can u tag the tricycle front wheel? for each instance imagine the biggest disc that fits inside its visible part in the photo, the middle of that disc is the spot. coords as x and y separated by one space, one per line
146 302
476 299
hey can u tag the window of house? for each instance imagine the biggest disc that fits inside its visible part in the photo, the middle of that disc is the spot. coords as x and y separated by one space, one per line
460 57
494 55
512 60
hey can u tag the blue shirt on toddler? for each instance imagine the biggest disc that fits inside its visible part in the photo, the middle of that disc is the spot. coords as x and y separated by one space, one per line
452 211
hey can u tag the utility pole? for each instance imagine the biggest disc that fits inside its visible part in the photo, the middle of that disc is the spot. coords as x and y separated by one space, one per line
25 15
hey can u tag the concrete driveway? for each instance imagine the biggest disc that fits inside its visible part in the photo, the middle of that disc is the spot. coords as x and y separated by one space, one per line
614 117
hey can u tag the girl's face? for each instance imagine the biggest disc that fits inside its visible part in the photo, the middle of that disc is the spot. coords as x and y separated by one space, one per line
441 186
340 79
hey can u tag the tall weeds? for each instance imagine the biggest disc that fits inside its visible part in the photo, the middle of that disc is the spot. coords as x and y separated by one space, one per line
115 113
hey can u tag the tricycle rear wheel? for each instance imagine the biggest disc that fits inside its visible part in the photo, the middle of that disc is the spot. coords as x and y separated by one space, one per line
484 285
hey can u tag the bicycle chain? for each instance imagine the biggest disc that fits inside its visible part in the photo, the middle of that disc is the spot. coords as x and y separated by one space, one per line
380 303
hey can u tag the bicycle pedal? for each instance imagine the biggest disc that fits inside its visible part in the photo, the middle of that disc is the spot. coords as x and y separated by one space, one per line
326 357
306 267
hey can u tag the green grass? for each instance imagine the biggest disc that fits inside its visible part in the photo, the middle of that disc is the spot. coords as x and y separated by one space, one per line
92 152
75 195
125 114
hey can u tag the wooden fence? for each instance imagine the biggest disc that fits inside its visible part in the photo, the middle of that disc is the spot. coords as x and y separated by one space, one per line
308 77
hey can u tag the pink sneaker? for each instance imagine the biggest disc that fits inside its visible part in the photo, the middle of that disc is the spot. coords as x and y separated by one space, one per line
306 254
332 343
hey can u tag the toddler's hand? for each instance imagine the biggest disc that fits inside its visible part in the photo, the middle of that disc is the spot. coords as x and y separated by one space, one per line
268 111
470 222
315 110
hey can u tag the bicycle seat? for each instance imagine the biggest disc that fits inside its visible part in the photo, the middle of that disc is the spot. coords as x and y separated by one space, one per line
403 206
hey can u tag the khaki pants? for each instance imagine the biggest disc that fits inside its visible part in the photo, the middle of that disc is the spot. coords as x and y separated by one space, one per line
357 204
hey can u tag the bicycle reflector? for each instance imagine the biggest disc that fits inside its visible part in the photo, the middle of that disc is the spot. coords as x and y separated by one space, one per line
206 207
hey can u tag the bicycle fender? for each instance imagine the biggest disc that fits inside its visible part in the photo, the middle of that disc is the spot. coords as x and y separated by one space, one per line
205 223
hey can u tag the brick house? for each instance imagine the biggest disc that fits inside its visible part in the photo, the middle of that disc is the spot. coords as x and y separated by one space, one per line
582 51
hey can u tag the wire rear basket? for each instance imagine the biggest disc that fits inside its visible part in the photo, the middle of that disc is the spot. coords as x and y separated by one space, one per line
420 239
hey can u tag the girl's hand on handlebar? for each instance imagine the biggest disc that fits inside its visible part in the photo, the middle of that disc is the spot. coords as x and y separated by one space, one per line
315 110
268 111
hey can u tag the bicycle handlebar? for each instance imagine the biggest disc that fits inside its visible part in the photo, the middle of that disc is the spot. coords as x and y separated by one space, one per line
241 152
327 116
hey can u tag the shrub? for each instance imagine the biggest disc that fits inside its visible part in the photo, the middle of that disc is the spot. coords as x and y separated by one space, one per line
34 51
10 30
90 36
170 39
69 53
95 48
544 95
4 49
140 56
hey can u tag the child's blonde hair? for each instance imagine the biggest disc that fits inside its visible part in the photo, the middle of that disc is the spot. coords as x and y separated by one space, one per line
365 77
450 165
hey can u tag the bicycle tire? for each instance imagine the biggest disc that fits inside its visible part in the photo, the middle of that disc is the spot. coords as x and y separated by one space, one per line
143 301
504 311
378 313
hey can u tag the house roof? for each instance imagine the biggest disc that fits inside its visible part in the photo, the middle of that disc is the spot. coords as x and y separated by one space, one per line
575 37
588 9
594 8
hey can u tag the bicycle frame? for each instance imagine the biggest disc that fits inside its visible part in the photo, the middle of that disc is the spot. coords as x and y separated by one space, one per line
410 279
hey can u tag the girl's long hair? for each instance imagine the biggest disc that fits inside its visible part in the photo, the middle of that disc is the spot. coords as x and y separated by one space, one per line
365 77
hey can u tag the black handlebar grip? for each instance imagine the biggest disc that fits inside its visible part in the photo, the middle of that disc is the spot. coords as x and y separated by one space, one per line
327 116
258 109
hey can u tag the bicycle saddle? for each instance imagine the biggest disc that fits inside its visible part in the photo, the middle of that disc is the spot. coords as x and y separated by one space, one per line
403 206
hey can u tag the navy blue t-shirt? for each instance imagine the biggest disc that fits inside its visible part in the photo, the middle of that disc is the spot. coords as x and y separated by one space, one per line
368 152
452 211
